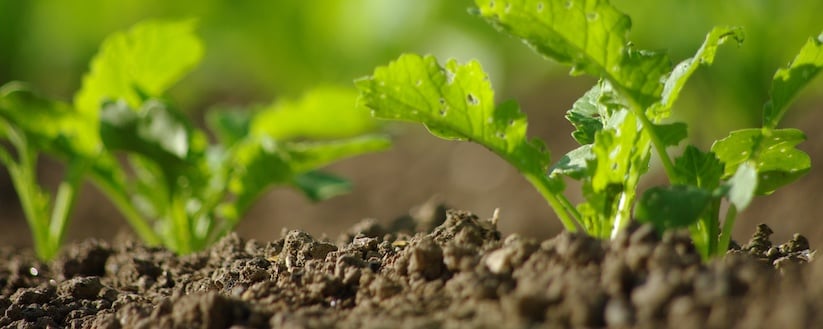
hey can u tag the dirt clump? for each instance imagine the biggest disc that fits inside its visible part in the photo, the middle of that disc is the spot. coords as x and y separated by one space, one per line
446 270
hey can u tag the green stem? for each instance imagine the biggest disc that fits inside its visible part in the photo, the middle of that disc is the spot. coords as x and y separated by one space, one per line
24 178
182 230
541 183
726 234
64 204
207 209
657 143
623 214
31 200
117 196
570 208
648 126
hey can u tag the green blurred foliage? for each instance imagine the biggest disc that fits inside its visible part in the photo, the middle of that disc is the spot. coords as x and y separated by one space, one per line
731 93
256 50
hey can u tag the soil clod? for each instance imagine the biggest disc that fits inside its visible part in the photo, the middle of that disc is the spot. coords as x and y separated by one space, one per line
455 274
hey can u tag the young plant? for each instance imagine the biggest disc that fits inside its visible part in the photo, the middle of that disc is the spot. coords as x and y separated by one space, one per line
32 125
618 122
190 192
172 185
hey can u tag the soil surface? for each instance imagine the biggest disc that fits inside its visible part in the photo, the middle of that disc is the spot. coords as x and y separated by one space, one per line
447 270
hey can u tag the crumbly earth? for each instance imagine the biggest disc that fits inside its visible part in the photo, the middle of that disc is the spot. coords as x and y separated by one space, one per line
451 270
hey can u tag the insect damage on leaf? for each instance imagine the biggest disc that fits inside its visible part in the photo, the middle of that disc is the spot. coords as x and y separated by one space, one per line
590 36
618 122
454 102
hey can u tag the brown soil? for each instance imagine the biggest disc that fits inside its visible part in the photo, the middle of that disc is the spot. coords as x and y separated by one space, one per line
448 270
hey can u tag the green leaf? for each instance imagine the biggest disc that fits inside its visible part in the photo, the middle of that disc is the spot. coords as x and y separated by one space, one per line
158 134
52 126
614 171
262 162
788 82
615 150
673 206
586 115
684 70
454 102
140 63
589 35
743 186
318 185
698 168
671 134
323 113
230 126
574 164
773 154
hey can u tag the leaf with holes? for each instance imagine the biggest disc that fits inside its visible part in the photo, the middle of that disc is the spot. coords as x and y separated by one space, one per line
589 35
454 102
773 154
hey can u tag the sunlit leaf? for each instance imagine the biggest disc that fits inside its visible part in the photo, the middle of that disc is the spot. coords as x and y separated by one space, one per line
53 126
454 102
586 116
322 113
773 155
684 70
159 135
788 82
589 35
140 63
575 163
743 186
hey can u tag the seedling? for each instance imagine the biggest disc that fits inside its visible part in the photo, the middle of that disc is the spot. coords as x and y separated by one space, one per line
174 186
34 126
618 122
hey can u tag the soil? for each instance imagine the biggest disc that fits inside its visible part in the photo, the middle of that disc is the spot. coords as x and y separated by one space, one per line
446 270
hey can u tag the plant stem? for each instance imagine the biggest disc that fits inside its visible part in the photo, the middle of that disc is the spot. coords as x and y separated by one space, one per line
657 143
65 200
35 205
541 183
648 128
181 225
121 202
726 233
31 201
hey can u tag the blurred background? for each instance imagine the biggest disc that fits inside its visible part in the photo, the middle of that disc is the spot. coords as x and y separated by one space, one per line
260 51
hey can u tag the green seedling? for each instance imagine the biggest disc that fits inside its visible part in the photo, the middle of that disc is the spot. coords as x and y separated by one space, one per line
619 122
169 181
33 126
